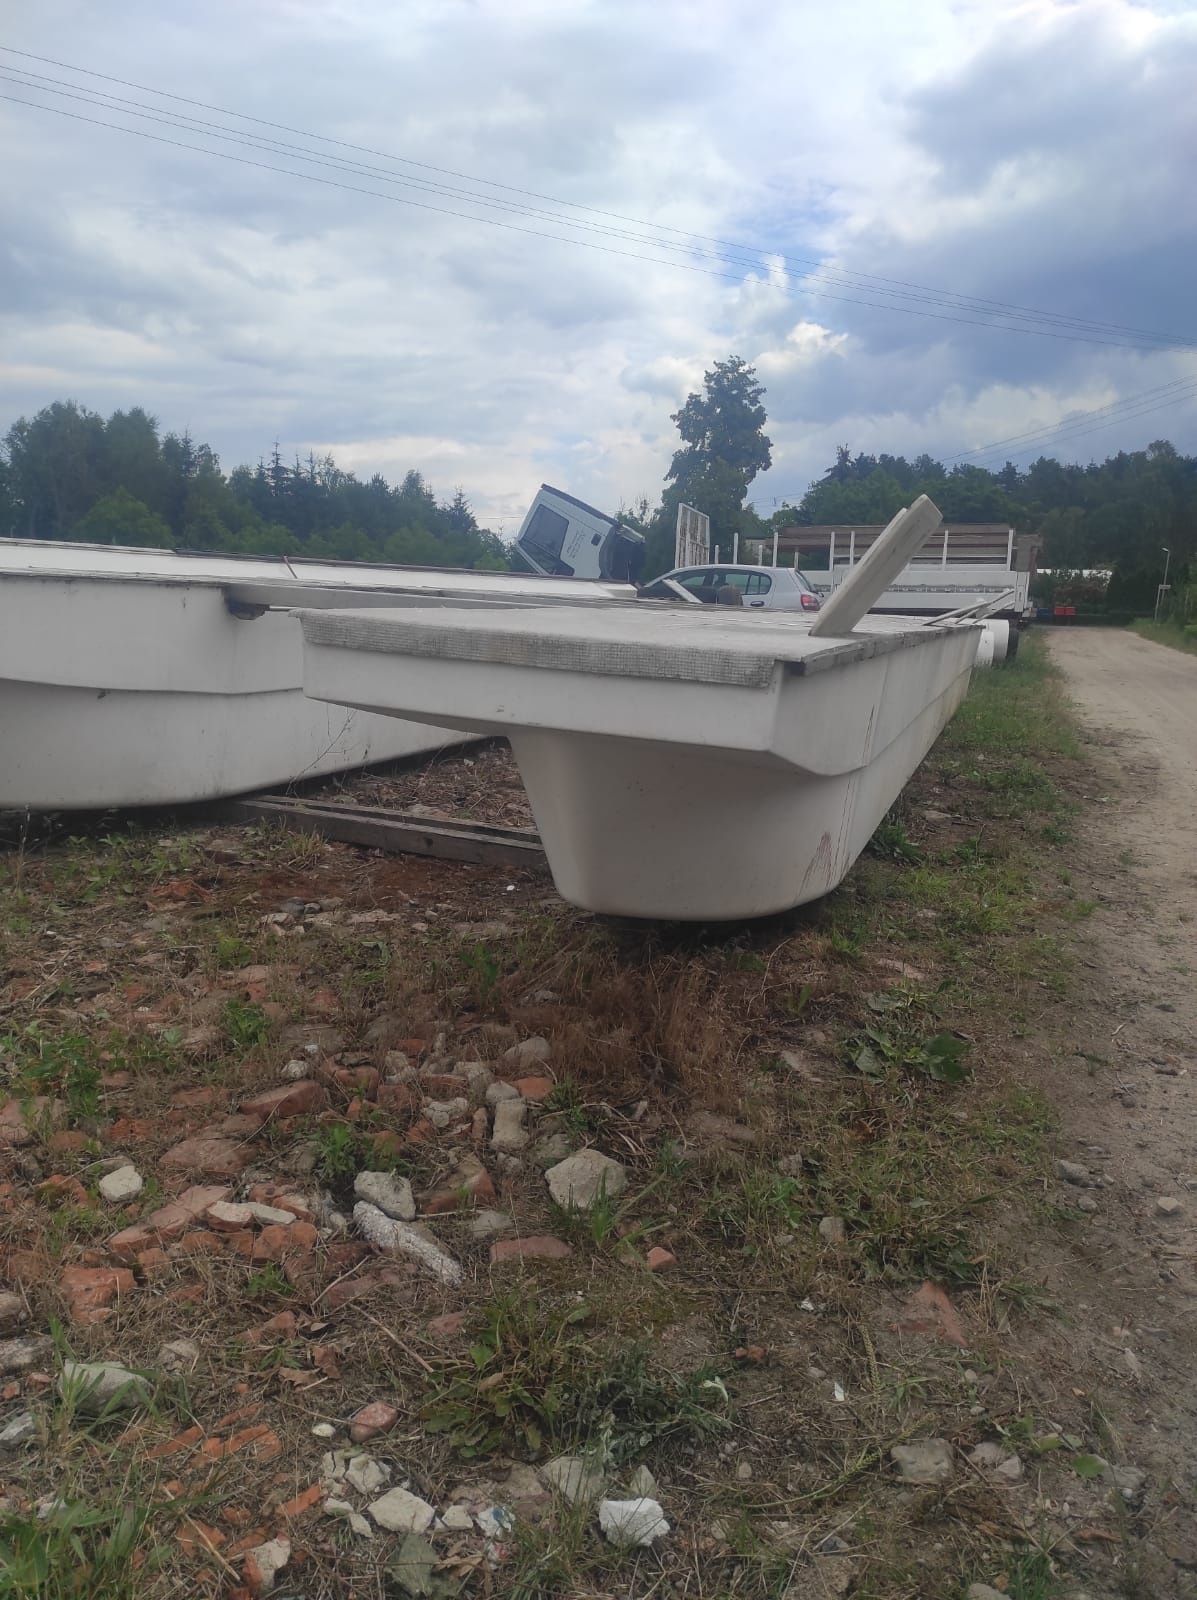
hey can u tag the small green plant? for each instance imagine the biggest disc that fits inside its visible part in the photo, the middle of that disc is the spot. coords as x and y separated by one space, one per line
231 951
534 1380
60 1066
482 973
79 1551
245 1024
267 1283
892 841
940 1057
338 1152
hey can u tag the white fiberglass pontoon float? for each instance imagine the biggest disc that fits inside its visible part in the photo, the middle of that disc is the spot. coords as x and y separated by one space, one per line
693 763
134 677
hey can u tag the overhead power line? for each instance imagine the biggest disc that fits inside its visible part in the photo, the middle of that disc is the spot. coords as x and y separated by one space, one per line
539 233
998 314
1181 391
1046 429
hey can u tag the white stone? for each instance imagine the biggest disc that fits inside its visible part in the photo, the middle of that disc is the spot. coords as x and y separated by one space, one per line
389 1192
498 1092
367 1475
121 1186
296 1069
924 1461
271 1558
509 1133
579 1182
269 1216
19 1430
488 1224
574 1477
342 1509
98 1386
1167 1205
833 1230
324 1430
385 1233
441 1113
984 1591
456 1519
990 1456
179 1355
399 1511
528 1053
642 1485
632 1522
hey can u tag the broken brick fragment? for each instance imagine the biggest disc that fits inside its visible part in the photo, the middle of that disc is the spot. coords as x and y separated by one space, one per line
537 1247
91 1291
287 1100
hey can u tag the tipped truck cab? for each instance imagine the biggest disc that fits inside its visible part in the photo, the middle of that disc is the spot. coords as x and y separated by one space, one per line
759 588
567 538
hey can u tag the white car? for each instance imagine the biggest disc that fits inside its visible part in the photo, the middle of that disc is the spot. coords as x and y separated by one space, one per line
763 588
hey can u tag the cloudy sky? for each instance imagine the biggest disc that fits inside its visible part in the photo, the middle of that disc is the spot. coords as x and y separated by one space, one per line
1035 154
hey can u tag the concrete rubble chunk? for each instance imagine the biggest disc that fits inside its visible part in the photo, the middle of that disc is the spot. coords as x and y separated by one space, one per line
509 1134
496 1093
19 1355
488 1224
400 1511
269 1216
98 1386
342 1509
179 1355
367 1475
575 1478
387 1233
121 1186
18 1431
923 1461
1130 1483
13 1312
264 1563
996 1459
579 1182
456 1519
1073 1172
528 1052
632 1522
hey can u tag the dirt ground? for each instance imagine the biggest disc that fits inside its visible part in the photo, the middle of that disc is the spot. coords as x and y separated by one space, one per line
1129 1093
859 1248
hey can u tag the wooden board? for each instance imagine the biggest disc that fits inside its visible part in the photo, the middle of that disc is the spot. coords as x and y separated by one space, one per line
396 831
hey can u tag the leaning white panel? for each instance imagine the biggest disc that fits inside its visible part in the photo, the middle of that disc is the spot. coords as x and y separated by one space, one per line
678 765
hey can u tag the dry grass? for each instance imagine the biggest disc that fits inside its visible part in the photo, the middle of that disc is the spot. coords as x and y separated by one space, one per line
706 1060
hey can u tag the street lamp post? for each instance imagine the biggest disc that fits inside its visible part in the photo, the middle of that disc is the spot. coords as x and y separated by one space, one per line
1163 588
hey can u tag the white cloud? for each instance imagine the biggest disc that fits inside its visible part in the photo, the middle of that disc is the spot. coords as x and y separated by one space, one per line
1031 152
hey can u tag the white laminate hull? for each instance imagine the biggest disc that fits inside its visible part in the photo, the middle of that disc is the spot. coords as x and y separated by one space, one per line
680 767
133 677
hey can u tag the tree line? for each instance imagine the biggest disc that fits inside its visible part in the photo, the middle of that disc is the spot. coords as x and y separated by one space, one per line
1119 513
69 473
